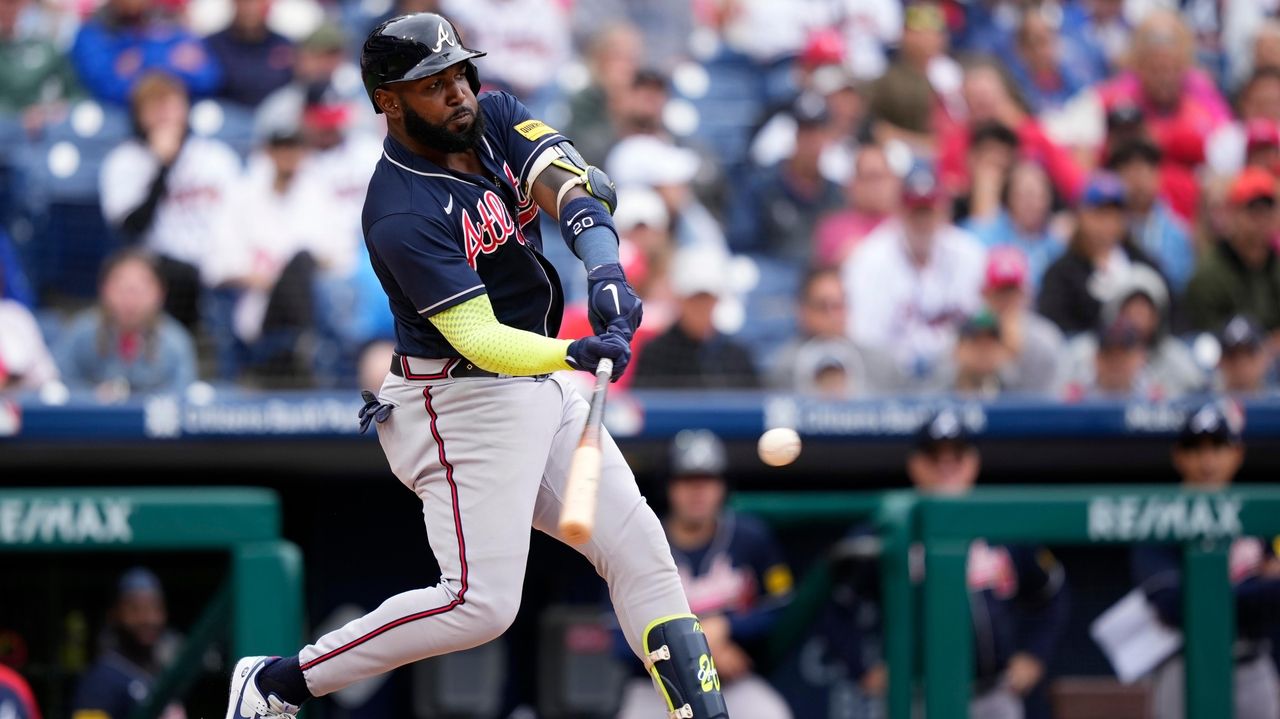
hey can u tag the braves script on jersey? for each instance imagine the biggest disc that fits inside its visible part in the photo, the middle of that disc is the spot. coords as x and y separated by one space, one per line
439 243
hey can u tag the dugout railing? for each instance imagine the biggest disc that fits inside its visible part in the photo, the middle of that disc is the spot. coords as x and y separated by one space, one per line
262 599
1204 524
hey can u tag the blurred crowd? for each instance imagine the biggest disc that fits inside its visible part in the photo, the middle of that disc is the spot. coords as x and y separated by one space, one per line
1070 199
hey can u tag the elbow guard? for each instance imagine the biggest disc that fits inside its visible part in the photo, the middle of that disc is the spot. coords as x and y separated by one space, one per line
589 177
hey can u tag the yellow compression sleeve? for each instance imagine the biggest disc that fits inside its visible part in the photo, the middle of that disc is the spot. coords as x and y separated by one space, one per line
477 334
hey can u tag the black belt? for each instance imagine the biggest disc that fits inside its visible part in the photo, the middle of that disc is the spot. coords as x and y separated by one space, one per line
453 368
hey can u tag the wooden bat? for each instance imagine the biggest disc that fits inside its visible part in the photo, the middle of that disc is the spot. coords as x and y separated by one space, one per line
578 517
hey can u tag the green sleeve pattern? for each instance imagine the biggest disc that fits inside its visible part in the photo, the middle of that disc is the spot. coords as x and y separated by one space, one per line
473 330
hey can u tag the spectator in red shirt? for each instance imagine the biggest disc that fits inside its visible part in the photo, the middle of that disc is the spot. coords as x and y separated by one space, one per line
1175 97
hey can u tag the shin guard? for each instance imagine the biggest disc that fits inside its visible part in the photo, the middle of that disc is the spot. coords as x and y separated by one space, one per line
679 659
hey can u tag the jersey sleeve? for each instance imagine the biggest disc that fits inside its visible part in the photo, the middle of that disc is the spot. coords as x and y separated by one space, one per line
426 261
522 137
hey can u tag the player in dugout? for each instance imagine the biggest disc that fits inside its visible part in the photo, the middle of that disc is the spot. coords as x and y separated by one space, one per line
1017 594
1207 455
733 573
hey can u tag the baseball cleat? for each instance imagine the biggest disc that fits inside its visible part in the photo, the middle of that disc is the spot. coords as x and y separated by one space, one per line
247 701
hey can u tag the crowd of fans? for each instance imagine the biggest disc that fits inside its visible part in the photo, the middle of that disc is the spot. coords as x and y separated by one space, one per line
1062 198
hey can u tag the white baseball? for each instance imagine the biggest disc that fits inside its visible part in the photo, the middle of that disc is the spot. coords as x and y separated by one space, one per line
779 446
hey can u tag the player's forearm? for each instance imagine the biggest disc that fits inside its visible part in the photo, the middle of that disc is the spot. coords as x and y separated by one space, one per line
473 330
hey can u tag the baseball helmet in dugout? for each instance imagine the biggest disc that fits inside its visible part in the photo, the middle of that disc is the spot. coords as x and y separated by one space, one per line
411 47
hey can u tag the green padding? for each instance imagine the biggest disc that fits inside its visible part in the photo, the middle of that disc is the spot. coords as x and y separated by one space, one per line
136 518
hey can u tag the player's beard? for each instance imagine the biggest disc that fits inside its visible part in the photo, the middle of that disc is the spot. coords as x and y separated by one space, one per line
440 137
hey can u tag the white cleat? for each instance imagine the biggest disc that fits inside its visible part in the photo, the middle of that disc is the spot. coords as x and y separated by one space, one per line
246 700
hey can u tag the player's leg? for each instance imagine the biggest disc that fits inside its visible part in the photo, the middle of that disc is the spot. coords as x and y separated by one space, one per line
629 550
472 451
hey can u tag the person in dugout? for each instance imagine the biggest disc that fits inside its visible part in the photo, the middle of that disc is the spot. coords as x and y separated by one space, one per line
135 647
733 573
1017 594
1206 456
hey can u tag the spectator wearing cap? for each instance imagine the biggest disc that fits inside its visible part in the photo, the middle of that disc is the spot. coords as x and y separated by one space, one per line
25 361
775 213
136 646
1245 363
36 77
165 189
991 99
1018 592
919 94
914 280
1140 301
1034 343
979 359
1229 148
255 59
871 196
693 353
127 345
1118 370
655 163
1207 455
822 360
733 572
1099 255
1016 211
1153 225
613 57
1240 274
127 40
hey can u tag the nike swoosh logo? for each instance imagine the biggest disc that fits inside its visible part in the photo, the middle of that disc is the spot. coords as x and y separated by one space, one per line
448 209
613 290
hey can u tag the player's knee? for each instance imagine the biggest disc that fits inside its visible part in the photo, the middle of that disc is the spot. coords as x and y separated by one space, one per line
493 616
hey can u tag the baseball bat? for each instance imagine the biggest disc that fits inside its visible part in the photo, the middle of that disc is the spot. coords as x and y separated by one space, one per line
578 517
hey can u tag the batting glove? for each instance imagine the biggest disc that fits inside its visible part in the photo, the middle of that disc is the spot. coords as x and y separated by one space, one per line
586 353
612 303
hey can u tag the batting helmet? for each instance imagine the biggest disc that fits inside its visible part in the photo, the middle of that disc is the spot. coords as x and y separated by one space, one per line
411 47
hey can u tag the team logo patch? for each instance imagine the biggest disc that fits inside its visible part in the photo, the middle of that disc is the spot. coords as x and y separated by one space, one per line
533 129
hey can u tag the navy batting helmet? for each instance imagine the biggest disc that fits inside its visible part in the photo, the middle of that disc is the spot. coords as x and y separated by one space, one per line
411 47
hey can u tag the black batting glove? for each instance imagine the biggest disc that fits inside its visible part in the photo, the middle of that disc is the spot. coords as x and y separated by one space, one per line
612 303
584 354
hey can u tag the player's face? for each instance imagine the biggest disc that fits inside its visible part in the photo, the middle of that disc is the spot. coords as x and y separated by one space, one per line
1208 465
142 615
696 500
440 111
947 468
1244 369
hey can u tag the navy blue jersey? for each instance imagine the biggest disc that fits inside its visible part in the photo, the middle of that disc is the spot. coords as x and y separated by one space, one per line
111 688
740 574
1157 568
438 238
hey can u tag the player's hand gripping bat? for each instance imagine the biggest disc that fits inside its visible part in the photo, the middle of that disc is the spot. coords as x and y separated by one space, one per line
578 517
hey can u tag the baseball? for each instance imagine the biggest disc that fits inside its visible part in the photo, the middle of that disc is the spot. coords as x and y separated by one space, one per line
779 446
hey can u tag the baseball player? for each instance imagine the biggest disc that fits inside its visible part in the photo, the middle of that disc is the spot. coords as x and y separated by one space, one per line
733 572
1018 597
471 417
1207 455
